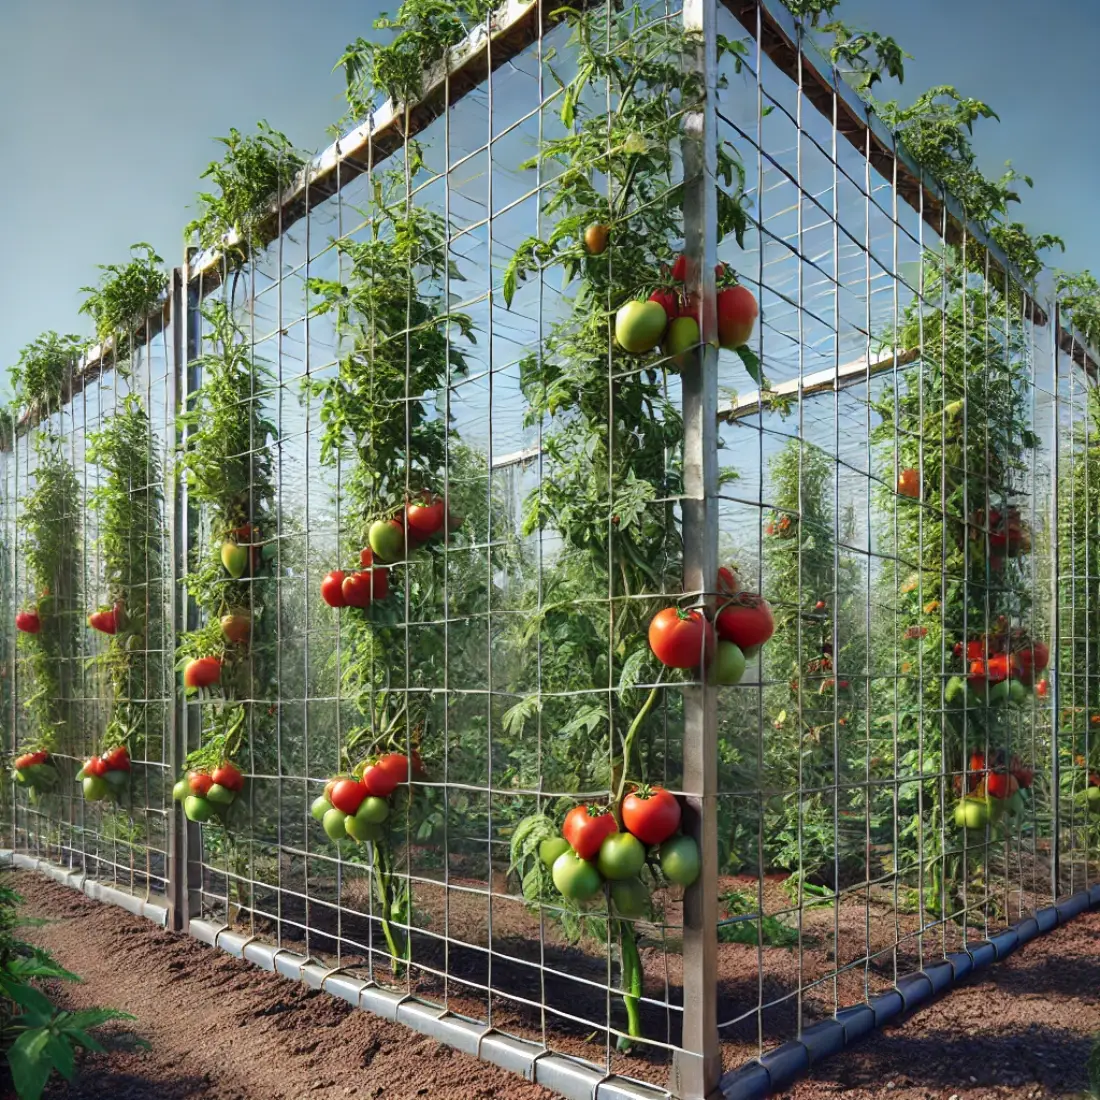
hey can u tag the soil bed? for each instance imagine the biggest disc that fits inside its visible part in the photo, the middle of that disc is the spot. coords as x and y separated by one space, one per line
221 1029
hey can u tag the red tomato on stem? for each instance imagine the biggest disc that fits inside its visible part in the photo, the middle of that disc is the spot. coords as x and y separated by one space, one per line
586 831
681 639
200 783
652 814
746 620
229 776
332 588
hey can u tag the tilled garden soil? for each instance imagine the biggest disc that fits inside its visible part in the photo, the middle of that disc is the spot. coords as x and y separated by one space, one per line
223 1029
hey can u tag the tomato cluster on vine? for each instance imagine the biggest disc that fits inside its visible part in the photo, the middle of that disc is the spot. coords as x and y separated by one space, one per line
422 519
105 776
356 806
205 794
720 641
592 851
36 770
671 316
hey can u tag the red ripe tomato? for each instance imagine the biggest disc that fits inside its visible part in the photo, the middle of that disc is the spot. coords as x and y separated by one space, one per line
24 761
348 795
1040 656
95 766
378 781
680 269
356 589
1042 689
379 582
689 307
719 271
669 301
1002 666
746 621
332 588
909 483
737 313
1001 785
651 814
366 557
975 650
28 622
200 783
728 584
117 759
228 776
202 672
425 518
39 757
586 831
397 764
681 639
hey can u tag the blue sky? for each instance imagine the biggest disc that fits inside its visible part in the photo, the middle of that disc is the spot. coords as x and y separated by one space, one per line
108 120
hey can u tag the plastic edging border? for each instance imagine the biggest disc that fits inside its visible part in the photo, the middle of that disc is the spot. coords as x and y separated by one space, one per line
573 1078
780 1068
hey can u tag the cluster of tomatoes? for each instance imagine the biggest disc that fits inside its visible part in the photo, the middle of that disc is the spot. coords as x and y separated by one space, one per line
1009 535
592 850
356 806
104 776
671 316
390 540
36 770
743 622
206 793
1004 665
993 790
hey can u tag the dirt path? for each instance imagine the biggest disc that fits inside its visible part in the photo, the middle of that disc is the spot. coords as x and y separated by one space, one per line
1020 1030
221 1029
224 1030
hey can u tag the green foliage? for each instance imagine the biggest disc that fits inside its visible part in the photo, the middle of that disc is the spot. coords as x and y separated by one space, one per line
255 169
44 368
426 30
772 931
228 464
51 550
126 295
1079 296
128 501
1092 1066
38 1039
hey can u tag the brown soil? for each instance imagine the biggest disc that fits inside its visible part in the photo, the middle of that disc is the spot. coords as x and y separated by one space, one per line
1021 1029
221 1029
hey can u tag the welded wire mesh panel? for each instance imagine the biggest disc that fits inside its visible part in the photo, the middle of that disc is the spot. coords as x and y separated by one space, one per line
892 503
87 526
464 704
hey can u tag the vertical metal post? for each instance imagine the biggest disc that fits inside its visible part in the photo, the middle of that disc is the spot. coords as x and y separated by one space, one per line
1056 615
697 1067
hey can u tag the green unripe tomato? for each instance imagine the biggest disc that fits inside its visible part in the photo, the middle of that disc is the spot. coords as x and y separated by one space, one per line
333 821
116 779
621 855
550 849
95 788
219 795
680 860
181 790
320 807
972 814
729 664
1093 797
360 829
373 810
575 878
630 898
197 809
1017 693
997 693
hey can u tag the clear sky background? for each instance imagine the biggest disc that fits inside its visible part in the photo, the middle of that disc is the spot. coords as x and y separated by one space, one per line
109 109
